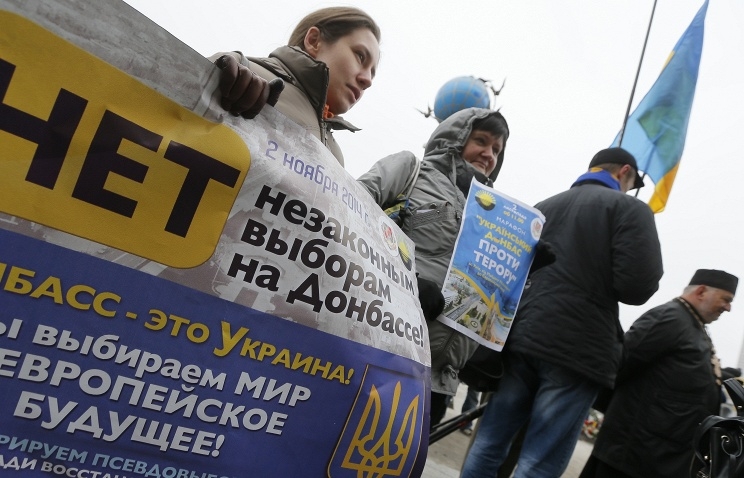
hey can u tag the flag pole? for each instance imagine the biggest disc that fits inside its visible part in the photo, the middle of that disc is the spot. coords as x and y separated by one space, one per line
635 83
638 72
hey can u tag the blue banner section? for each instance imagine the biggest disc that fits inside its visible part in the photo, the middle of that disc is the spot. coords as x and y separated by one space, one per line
112 370
490 264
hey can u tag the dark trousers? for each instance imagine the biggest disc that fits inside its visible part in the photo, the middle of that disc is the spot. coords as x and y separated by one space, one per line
438 407
596 468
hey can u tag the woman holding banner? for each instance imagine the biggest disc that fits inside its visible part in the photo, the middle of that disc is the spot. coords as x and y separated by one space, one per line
331 58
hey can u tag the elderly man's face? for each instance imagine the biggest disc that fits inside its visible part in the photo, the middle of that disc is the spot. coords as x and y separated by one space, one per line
713 303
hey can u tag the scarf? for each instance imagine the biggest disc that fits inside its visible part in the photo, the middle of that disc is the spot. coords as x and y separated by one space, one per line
598 175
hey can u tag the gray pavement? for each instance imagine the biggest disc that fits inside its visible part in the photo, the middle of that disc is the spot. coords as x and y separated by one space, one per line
445 457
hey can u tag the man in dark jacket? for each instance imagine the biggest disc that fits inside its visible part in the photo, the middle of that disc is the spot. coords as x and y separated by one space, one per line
566 341
668 383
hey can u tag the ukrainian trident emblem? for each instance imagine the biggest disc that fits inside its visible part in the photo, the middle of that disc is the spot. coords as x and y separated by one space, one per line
383 433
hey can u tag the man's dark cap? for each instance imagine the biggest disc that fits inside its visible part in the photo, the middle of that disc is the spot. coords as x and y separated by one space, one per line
618 156
715 278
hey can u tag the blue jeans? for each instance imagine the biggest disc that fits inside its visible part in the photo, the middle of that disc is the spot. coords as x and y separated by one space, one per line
470 402
554 400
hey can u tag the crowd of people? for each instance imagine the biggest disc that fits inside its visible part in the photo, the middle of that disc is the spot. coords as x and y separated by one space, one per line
599 248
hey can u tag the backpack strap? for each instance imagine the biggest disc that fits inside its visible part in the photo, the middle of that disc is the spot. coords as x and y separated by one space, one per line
403 199
736 392
408 189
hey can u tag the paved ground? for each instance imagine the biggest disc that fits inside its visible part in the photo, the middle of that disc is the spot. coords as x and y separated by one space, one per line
445 456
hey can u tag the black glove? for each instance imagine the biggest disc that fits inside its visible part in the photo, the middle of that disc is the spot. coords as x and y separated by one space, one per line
544 256
276 86
243 92
431 298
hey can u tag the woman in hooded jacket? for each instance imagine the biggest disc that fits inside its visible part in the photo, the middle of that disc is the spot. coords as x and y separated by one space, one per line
468 144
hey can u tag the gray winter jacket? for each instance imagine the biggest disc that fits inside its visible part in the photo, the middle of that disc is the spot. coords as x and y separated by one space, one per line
432 221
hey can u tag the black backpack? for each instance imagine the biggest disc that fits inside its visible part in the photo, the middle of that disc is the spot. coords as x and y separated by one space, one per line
719 441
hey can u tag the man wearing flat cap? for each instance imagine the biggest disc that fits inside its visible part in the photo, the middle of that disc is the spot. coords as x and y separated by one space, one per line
668 383
566 341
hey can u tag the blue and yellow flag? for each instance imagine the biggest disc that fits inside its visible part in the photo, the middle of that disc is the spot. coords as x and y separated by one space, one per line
655 131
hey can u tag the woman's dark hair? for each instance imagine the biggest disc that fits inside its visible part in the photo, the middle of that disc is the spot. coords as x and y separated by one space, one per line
494 124
333 23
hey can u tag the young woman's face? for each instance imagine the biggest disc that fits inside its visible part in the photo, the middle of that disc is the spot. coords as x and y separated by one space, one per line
352 63
482 149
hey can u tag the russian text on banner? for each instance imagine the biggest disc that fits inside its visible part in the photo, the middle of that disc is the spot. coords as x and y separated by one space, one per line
183 292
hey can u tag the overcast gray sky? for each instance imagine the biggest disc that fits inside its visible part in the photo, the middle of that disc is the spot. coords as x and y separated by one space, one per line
569 69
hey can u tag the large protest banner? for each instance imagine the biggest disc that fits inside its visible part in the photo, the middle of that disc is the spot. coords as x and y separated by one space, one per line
490 264
182 292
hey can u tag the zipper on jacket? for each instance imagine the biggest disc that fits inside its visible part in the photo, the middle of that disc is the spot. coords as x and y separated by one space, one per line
324 132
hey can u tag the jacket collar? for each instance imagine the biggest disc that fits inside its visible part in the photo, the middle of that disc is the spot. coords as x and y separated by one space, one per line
310 76
605 178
